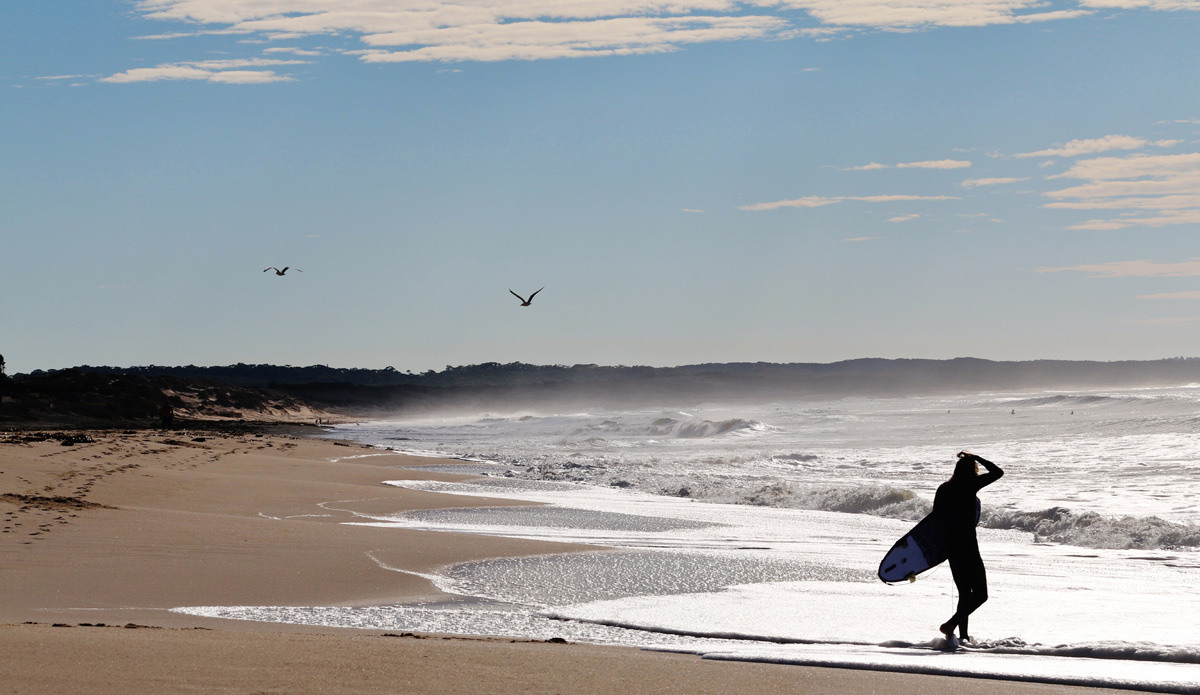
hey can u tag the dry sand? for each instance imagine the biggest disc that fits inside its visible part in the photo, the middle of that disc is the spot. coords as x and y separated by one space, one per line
118 530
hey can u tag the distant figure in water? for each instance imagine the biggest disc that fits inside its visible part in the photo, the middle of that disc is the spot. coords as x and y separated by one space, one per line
281 272
524 301
956 501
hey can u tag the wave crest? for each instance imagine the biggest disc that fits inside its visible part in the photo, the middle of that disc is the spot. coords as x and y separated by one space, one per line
1054 525
1092 530
890 502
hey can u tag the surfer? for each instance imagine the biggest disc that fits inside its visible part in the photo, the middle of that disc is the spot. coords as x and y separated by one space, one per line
956 501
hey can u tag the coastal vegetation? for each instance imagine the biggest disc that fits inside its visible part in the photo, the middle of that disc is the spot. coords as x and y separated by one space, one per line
251 391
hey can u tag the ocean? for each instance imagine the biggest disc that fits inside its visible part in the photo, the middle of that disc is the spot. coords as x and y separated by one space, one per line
754 532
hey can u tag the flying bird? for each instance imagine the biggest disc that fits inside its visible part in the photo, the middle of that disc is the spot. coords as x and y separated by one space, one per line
524 301
281 272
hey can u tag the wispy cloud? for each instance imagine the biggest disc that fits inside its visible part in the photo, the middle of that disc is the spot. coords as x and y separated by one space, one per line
936 164
693 210
1156 191
931 164
976 183
1134 269
820 201
858 239
217 71
905 218
918 14
1107 143
534 39
292 50
1140 4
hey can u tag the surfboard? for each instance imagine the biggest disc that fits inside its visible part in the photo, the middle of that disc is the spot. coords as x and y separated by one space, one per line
922 548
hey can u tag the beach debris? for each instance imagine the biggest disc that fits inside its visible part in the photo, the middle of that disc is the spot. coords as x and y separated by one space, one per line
281 272
524 301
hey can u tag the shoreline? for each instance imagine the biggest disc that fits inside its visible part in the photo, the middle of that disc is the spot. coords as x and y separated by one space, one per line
120 529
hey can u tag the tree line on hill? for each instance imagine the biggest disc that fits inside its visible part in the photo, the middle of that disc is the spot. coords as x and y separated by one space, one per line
492 385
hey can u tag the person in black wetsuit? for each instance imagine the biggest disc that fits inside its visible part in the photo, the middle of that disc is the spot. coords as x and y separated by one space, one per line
956 500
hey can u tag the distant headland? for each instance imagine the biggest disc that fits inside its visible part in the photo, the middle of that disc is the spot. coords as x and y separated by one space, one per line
272 392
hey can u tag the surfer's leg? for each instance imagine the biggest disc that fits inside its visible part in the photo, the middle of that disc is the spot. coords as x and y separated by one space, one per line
975 577
973 590
962 583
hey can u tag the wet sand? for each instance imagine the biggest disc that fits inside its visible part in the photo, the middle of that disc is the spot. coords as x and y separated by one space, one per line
117 530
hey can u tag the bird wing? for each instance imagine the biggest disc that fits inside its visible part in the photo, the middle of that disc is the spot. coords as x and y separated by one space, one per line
271 268
535 293
516 295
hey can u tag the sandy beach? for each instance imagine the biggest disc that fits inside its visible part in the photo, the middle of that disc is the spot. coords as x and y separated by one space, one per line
107 532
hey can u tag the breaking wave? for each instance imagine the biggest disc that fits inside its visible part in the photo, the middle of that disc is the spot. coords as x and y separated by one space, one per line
1054 525
884 501
1092 530
700 429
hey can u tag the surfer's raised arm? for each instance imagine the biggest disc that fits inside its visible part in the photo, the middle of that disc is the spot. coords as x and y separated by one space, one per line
993 474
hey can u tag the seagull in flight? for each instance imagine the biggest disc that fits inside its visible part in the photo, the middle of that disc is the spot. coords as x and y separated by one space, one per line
281 272
524 301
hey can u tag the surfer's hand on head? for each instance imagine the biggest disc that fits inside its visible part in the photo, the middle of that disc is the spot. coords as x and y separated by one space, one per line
965 454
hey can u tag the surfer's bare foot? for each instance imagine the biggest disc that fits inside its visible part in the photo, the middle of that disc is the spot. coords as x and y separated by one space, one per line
947 629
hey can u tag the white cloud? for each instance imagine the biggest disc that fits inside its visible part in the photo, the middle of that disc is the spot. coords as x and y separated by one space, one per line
183 72
975 183
1134 269
1157 190
1142 4
1107 143
938 164
1194 294
896 198
533 40
931 164
861 238
822 34
916 14
819 201
807 202
489 30
905 218
217 71
293 50
693 210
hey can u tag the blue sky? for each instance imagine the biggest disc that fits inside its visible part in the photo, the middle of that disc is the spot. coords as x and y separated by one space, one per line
691 181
